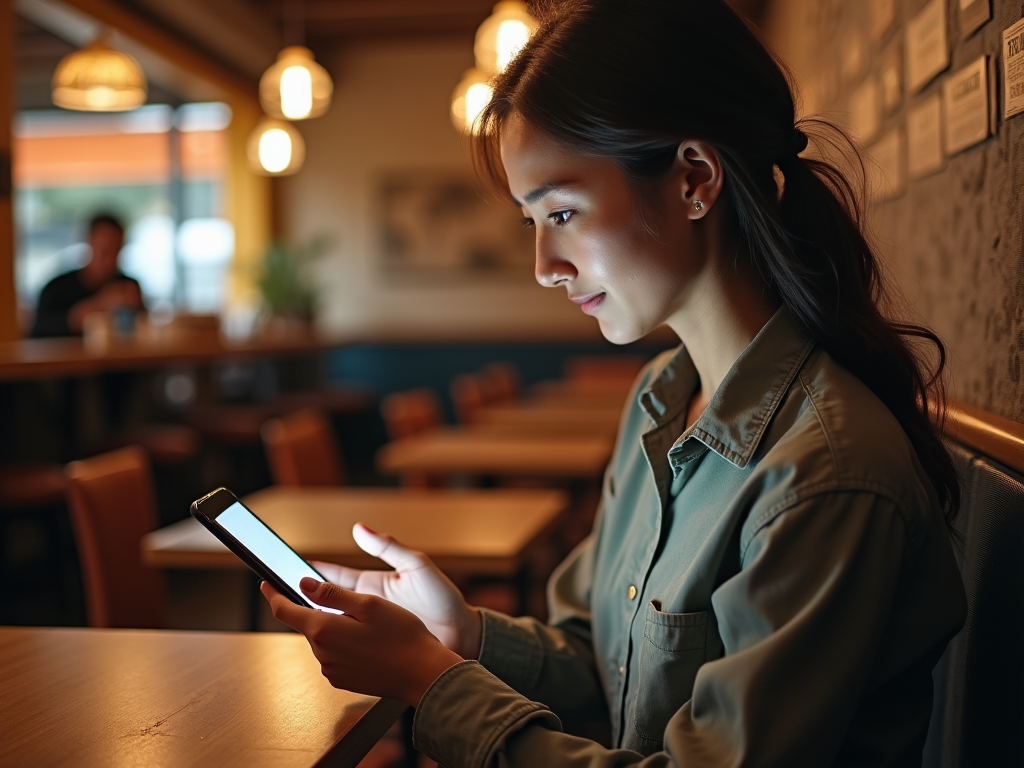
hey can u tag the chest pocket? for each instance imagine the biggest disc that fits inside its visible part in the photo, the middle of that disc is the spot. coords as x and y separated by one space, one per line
673 649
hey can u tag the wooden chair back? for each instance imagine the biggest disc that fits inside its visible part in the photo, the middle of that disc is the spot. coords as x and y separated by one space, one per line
302 450
467 393
501 384
409 413
112 507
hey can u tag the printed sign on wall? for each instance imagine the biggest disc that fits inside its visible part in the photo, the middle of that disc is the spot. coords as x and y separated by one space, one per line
891 78
973 14
966 101
924 138
927 45
886 167
1013 70
883 16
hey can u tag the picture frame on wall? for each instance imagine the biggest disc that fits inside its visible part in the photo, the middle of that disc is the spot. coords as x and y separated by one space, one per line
973 14
439 225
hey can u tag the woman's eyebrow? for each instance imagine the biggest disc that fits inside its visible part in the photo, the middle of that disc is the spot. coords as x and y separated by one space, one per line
536 194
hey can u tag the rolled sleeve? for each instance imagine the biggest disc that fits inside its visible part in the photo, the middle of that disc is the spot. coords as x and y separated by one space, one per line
467 713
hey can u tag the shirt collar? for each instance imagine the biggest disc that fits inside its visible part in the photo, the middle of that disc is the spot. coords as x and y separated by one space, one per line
735 420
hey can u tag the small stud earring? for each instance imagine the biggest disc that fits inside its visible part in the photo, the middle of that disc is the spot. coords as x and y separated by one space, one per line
698 205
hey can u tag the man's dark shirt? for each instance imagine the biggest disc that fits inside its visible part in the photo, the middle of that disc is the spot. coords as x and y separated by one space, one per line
57 299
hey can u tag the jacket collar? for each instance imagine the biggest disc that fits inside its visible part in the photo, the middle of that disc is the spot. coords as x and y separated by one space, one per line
736 418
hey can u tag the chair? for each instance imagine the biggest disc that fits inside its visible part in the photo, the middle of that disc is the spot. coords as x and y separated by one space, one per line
979 681
408 413
28 484
302 450
604 369
110 497
500 382
467 393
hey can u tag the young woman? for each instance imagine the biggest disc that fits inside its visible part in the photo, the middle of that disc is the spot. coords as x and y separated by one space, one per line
770 579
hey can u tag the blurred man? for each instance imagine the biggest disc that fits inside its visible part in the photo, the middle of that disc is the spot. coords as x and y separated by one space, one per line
99 285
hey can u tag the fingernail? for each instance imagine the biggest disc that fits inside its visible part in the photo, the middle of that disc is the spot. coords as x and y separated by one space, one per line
365 527
309 584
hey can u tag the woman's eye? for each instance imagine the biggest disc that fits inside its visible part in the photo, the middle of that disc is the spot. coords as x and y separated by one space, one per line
561 217
526 222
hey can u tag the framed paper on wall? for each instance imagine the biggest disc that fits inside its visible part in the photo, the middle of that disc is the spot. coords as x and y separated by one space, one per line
438 224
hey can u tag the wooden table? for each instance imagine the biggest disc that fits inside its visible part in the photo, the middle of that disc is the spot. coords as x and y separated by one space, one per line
475 452
95 697
55 358
465 532
529 419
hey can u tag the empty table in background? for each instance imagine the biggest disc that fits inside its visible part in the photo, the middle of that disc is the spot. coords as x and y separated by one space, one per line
529 419
465 532
480 452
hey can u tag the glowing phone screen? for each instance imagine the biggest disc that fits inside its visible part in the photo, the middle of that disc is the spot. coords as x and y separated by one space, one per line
269 549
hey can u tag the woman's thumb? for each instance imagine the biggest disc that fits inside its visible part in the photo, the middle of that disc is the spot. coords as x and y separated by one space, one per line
330 596
386 548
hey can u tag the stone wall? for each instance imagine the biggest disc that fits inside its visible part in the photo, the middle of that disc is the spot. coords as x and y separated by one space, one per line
953 239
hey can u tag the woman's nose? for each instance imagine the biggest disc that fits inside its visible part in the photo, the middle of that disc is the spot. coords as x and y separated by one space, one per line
552 270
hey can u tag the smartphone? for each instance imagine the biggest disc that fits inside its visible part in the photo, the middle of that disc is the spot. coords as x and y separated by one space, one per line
256 545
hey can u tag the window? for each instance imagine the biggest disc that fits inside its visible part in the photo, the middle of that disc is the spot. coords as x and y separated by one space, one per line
161 169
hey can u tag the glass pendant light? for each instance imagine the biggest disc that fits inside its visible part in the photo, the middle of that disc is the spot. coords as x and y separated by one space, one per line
275 148
502 34
99 79
469 99
295 87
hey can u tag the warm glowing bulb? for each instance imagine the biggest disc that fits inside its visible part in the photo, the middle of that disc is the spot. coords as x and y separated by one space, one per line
100 97
512 36
275 150
296 92
477 97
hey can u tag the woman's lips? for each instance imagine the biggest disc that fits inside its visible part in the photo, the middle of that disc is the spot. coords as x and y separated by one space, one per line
589 303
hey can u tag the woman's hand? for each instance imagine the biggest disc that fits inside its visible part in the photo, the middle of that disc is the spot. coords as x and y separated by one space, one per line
417 585
376 647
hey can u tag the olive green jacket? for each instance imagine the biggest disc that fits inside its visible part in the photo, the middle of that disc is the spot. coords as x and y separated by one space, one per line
770 587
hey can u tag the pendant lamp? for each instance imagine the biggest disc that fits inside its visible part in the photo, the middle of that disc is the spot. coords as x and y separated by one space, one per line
469 99
295 87
275 148
99 79
501 35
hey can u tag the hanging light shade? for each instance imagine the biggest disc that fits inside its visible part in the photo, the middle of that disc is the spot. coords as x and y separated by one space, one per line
295 87
471 95
99 79
275 148
502 34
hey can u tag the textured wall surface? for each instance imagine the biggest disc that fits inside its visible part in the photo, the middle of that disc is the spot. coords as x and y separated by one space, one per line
954 241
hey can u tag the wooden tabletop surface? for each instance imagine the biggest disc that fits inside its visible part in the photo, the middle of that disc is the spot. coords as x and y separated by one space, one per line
101 697
529 418
481 452
478 532
48 358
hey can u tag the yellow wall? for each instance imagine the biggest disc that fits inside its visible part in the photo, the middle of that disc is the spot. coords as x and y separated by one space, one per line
390 113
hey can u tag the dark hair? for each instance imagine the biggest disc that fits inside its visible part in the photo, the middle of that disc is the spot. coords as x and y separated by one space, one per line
630 79
105 219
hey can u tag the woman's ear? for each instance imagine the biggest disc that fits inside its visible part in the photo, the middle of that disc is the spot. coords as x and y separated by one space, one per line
699 169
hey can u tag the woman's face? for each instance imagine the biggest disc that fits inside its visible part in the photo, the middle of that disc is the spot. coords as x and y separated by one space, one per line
591 239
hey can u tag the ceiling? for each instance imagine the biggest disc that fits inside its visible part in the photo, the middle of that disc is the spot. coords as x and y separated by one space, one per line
243 36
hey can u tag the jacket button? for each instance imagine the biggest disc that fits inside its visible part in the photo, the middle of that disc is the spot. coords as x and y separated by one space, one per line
631 592
622 670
